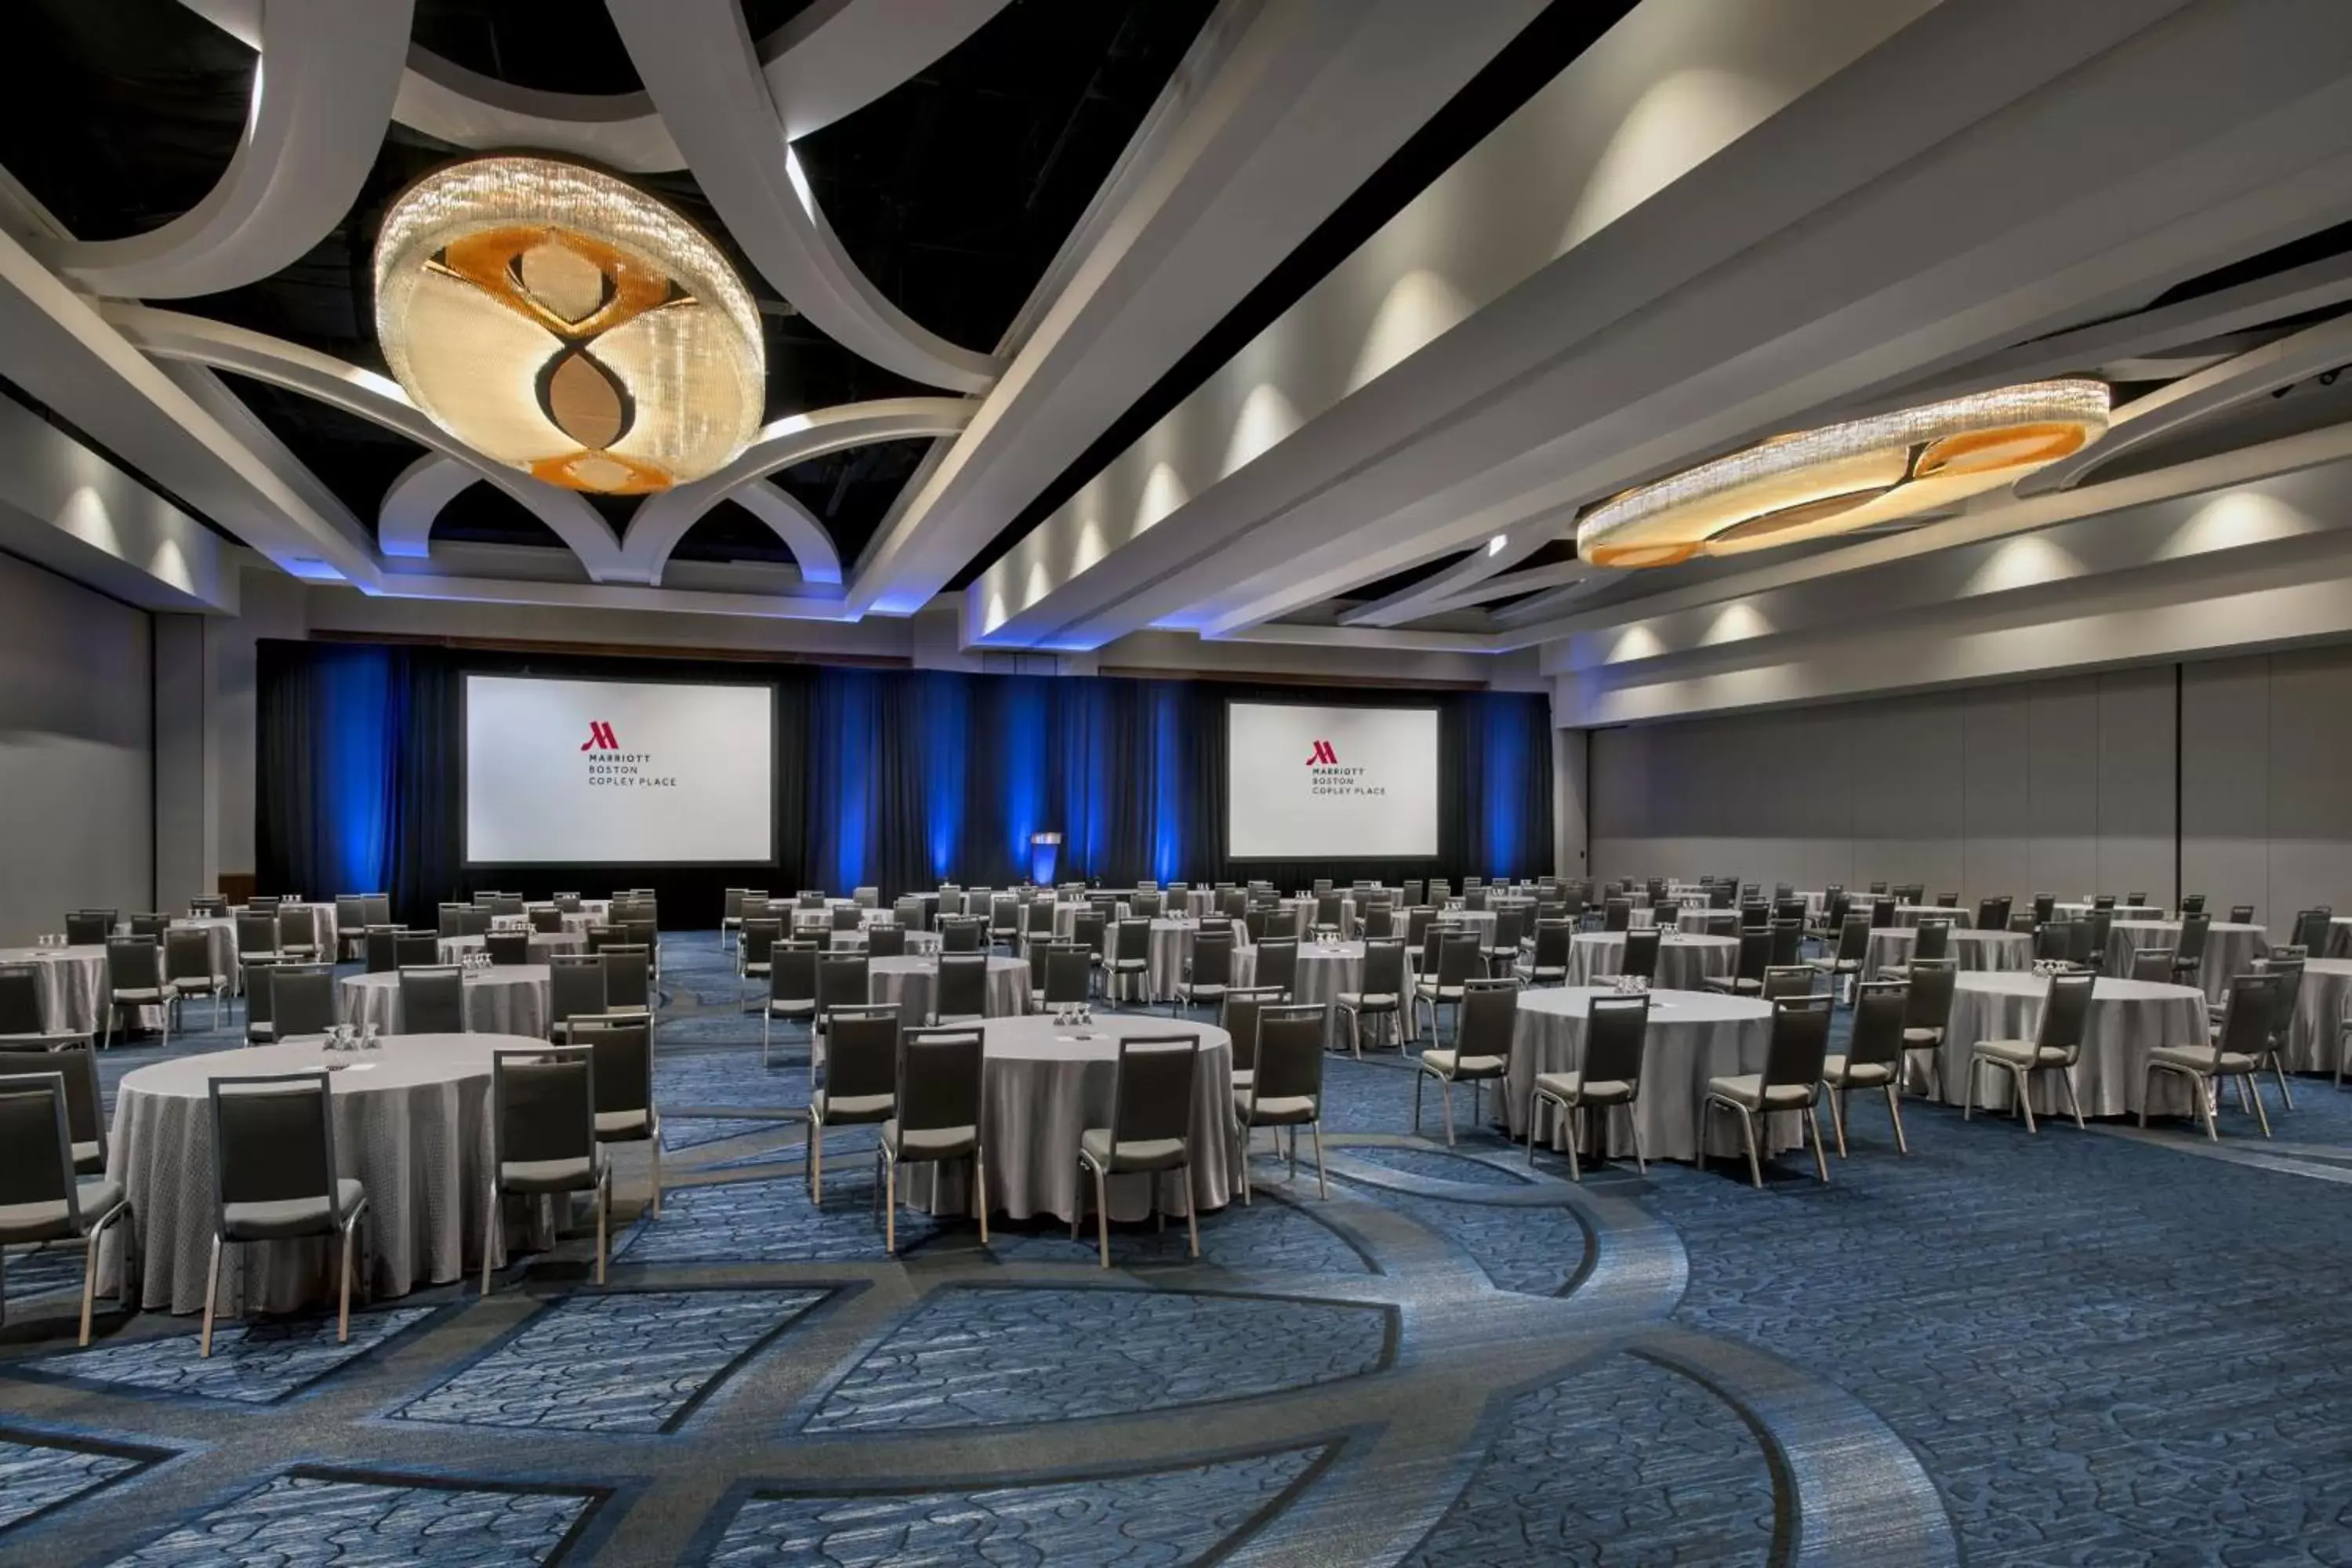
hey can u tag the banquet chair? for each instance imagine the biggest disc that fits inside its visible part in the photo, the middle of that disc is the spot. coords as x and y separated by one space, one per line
1153 1089
730 912
256 941
1456 962
810 898
547 920
1382 995
755 941
1555 940
21 1023
1928 1014
2286 964
1992 914
274 1177
432 1001
1639 957
1378 919
2045 908
1754 916
865 897
940 1081
1484 1021
1873 1058
2056 1046
449 919
350 923
623 1051
1277 966
134 978
2190 903
1791 1080
907 913
2089 947
2241 914
1208 971
1090 931
1004 921
208 905
792 990
575 989
482 897
646 935
150 926
41 1198
301 1000
1845 961
1502 955
1253 920
1930 940
2153 964
2053 942
1234 902
1418 919
1238 1017
860 1079
544 1137
504 905
1747 977
962 933
414 947
1472 897
1410 893
377 953
508 947
376 909
566 904
258 1028
1037 926
960 994
628 980
75 1062
298 931
1616 1030
188 970
1128 958
2312 927
1440 890
1066 977
886 941
1882 913
1787 979
1285 1088
1145 905
474 919
2189 952
1617 914
843 980
92 928
264 903
2234 1051
1321 885
2136 900
1329 907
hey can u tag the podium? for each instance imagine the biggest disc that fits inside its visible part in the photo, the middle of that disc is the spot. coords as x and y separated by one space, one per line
1044 857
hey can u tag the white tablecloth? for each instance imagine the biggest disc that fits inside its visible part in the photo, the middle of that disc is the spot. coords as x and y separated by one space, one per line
1171 944
592 912
2073 910
1065 918
412 1123
1322 973
223 935
72 983
543 943
912 982
1991 949
1911 914
2127 1019
2319 1015
1683 960
1693 1035
1044 1085
917 941
2229 950
322 918
1707 921
505 999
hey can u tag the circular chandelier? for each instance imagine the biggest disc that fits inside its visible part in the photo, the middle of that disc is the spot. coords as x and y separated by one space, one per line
564 323
1844 477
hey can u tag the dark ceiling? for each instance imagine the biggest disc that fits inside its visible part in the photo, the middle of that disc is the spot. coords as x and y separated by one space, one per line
952 192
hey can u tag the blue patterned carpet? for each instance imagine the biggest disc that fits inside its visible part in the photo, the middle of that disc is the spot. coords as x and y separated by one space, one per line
2078 1349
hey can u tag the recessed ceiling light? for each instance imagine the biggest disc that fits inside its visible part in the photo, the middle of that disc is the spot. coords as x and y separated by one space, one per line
1494 545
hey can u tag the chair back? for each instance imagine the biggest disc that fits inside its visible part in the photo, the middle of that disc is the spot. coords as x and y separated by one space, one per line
351 912
2241 914
1153 1089
1145 906
1753 917
1244 1005
1411 892
861 1051
1928 1005
622 1046
1041 916
730 903
2311 929
297 926
433 1001
756 941
1508 930
1417 921
1378 919
1087 928
1067 971
2103 900
2065 1010
2054 941
846 917
575 986
962 989
1617 914
188 954
1880 1010
508 947
1755 956
1799 1042
1212 958
547 922
411 948
75 1062
449 919
1787 979
865 897
1458 958
301 999
1992 914
1882 913
1277 963
841 982
376 909
1472 897
1641 957
1490 1017
506 904
1326 908
1004 913
628 977
2153 964
907 913
886 941
544 1104
473 920
962 933
2045 905
939 1077
37 1164
2191 903
2286 968
1616 1028
1289 1063
2193 928
1554 939
134 963
273 1140
1384 967
1133 942
2246 1016
94 928
20 1000
377 948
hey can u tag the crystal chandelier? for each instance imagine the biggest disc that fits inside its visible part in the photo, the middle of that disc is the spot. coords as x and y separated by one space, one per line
564 323
1844 477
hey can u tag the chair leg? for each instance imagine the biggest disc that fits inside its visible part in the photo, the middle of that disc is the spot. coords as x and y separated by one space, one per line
604 1216
1821 1160
2147 1082
1968 1101
343 1293
767 1021
816 1164
2205 1103
1748 1136
88 1280
2278 1069
1894 1114
490 1238
2254 1089
212 1297
1445 1100
1102 1217
1837 1118
889 1204
1535 1115
1416 1102
1191 1210
655 1140
1633 1123
1322 1179
1078 1209
2025 1097
2073 1104
980 1190
1574 1115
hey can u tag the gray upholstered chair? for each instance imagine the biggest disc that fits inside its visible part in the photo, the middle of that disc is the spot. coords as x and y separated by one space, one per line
575 989
886 941
41 1199
301 1000
1844 961
1153 1090
134 978
792 990
1873 1058
276 1178
1555 940
960 994
1130 959
622 1048
547 920
860 1084
1442 985
1608 1074
298 931
378 953
938 1117
1928 1014
432 1001
2153 964
1747 977
1066 976
2056 1046
1791 1080
755 941
1238 1018
628 978
2235 1052
730 912
74 1061
449 919
1208 971
2189 953
92 928
1382 995
1483 1023
2287 964
1285 1088
544 1137
963 934
188 970
843 980
508 947
1278 964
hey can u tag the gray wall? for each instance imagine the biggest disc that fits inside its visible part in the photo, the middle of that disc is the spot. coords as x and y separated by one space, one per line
77 823
2266 781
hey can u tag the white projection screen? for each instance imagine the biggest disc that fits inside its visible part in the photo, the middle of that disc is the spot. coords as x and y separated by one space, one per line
1330 783
618 773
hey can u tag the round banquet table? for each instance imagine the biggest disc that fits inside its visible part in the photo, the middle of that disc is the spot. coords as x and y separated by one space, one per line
2319 1015
412 1123
1693 1035
1065 918
1322 973
917 941
1708 922
1991 950
592 912
71 981
1043 1085
1911 914
542 942
323 925
504 999
1171 945
1684 960
911 982
1642 917
2073 910
2229 950
2128 1018
1479 920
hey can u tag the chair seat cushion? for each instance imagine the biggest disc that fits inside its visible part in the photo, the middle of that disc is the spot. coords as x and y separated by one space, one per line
50 1221
1368 1000
1197 989
1275 1110
1748 1090
86 1155
849 1108
1431 988
1245 1077
792 1007
569 1175
1454 1064
928 1142
624 1124
1915 1037
2200 1058
1571 1087
2020 1053
280 1218
1844 1073
1145 1154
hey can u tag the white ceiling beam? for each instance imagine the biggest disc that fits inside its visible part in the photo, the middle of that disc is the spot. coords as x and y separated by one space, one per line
837 56
812 547
413 502
1461 583
816 605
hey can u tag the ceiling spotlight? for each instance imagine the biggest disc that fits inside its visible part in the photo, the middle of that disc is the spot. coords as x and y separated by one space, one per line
564 323
1845 477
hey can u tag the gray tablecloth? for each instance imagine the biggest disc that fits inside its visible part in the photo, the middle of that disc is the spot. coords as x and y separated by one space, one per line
2127 1019
911 982
2229 950
1705 922
1323 973
412 1123
543 943
322 918
2319 1015
1692 1037
1044 1084
1989 950
72 984
2073 910
592 912
1171 945
1065 918
1911 914
1684 960
505 999
917 941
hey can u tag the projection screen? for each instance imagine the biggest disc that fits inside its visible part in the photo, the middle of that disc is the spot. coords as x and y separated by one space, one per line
1330 783
618 772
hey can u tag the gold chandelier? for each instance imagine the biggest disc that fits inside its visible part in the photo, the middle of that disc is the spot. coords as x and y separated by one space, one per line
564 323
1841 478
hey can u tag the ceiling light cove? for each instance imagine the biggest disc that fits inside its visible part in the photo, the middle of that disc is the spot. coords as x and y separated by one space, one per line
1845 477
562 322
